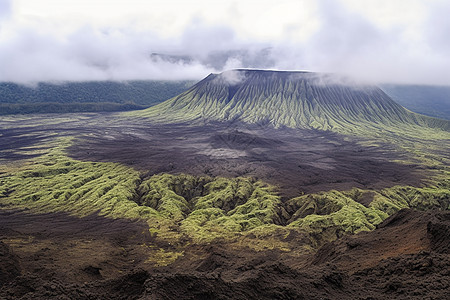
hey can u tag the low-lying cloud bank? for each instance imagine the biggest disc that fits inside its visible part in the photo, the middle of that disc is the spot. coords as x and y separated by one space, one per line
343 41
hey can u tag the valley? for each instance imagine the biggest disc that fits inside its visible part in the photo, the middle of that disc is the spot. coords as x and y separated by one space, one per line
228 191
202 150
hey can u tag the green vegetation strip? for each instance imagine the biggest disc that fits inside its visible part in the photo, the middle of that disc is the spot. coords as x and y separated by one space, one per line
53 182
180 208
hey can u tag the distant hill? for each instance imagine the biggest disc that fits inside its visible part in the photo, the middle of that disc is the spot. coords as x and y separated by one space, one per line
86 96
429 100
292 99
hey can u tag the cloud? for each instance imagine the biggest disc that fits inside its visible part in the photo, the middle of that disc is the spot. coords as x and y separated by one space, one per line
437 28
334 37
5 9
231 77
352 44
89 54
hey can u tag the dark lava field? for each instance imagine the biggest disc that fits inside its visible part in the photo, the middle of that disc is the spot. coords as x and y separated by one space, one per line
296 160
51 254
406 257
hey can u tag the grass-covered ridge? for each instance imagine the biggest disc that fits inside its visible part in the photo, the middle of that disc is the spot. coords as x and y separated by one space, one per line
328 215
53 182
207 208
184 209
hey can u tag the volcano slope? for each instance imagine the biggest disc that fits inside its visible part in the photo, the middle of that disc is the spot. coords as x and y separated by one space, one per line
305 189
292 99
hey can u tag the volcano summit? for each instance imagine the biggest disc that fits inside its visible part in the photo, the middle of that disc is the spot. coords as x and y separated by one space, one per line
291 99
250 185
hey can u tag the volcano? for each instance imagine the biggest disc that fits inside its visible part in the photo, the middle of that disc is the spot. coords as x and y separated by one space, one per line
291 99
250 185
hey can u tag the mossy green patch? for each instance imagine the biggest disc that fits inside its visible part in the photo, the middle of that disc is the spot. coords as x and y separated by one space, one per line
328 215
53 182
207 208
184 209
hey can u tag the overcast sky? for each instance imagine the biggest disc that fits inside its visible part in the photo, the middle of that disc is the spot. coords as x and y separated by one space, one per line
403 41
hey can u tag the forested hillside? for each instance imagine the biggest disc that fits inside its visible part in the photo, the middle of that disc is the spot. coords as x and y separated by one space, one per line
86 96
429 100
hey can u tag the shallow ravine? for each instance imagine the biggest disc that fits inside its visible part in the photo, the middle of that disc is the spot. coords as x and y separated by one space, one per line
105 224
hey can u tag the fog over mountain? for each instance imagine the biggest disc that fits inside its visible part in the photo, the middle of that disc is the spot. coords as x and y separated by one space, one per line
375 41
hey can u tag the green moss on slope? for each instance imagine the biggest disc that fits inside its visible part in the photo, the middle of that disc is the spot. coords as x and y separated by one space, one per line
54 182
328 215
182 209
207 208
292 99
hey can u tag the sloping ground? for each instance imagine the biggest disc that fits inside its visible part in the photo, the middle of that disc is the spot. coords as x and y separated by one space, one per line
429 100
135 234
144 93
293 99
54 255
183 208
406 232
64 97
406 257
296 161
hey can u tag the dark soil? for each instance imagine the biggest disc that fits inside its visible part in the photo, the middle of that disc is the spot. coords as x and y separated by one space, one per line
56 256
298 161
9 264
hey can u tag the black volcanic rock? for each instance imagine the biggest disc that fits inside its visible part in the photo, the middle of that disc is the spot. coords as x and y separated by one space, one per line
9 264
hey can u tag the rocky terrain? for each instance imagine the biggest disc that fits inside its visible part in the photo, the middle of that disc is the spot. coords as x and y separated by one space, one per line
250 185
